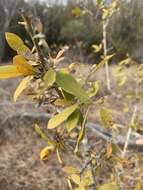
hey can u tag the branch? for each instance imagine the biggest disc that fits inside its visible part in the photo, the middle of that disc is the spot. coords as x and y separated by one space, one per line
97 129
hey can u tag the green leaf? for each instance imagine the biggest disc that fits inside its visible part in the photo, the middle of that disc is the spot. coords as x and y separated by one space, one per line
109 186
49 77
67 96
81 133
9 71
70 85
58 119
21 87
72 121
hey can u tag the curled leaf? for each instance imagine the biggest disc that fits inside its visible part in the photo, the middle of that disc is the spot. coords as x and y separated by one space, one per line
94 89
46 152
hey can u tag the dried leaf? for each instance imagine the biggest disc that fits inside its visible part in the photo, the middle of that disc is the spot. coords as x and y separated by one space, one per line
23 66
109 150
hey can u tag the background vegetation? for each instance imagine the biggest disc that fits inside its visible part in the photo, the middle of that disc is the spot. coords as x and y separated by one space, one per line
71 24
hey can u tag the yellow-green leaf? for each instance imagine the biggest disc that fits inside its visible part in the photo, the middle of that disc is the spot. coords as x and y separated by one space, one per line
94 89
21 87
70 85
23 66
9 71
109 186
97 48
58 119
17 44
104 61
70 170
49 77
72 121
46 152
23 50
13 40
106 118
69 184
40 132
62 102
105 13
76 11
76 179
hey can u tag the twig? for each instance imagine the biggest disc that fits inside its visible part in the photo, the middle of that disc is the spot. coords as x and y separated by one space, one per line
27 20
93 175
131 123
95 128
129 132
43 116
105 54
